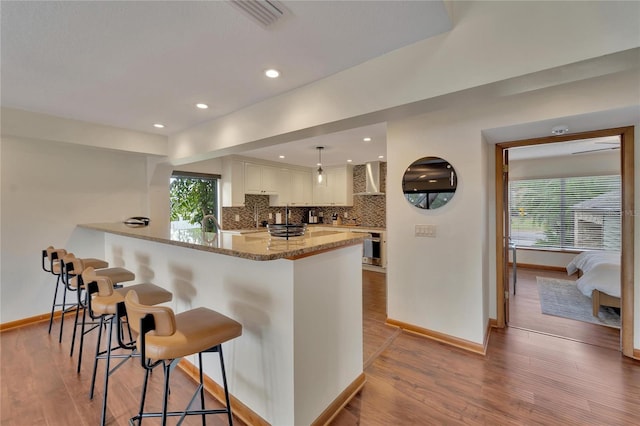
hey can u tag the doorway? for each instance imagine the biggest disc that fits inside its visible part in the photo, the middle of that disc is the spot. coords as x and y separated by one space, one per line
627 197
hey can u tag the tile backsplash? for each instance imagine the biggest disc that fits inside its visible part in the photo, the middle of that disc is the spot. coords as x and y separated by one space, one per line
367 210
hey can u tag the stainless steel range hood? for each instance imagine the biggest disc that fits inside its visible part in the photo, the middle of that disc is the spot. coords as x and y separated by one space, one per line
372 179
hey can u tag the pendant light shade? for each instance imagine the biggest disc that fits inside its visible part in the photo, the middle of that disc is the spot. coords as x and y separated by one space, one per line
320 176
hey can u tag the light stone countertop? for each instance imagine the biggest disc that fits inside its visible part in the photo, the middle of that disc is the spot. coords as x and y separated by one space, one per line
341 227
253 245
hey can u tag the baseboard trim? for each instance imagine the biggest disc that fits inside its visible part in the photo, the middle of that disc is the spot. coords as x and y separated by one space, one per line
340 402
28 321
487 334
541 267
239 410
440 337
636 353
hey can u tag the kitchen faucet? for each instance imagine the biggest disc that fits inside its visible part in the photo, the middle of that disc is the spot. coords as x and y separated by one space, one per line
214 219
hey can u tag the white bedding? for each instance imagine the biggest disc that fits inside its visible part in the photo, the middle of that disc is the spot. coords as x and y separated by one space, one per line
600 271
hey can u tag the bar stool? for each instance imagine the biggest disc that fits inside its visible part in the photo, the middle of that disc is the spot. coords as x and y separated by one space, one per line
164 338
51 262
103 300
72 278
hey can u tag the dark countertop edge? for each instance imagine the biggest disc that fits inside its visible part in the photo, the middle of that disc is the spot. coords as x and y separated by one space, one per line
295 253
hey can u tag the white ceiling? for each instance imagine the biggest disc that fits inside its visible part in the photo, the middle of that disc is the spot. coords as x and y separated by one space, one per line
576 147
339 147
131 64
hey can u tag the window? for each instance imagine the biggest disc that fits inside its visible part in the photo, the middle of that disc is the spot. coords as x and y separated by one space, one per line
192 197
566 213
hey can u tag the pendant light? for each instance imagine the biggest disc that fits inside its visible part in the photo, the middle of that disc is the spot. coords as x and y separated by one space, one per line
320 148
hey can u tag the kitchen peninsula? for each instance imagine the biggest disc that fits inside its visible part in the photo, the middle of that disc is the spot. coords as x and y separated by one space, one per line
299 301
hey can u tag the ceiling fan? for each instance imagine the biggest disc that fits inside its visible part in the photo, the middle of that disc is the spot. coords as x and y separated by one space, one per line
614 145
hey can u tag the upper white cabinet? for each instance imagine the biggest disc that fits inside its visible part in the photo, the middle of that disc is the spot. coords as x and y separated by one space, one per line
232 182
283 186
338 190
260 179
301 188
294 189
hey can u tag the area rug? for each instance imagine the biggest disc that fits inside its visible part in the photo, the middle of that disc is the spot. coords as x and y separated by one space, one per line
562 298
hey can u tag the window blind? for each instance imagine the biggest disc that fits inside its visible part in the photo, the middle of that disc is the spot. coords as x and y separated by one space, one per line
566 213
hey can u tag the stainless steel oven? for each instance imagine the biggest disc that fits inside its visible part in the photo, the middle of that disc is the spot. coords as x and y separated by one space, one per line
372 248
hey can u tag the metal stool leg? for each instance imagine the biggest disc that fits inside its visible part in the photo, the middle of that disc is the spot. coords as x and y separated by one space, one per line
204 418
53 305
64 311
224 382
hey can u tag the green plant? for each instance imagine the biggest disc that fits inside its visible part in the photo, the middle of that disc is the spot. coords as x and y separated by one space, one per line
192 198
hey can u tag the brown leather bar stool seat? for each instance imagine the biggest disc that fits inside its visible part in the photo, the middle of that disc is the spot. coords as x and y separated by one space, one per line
164 336
73 271
51 262
103 300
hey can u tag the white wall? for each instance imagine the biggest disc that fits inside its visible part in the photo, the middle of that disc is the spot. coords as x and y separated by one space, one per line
47 188
440 284
33 125
436 283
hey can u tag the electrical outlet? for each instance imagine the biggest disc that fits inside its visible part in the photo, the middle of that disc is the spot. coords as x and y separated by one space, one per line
270 215
237 218
425 231
346 215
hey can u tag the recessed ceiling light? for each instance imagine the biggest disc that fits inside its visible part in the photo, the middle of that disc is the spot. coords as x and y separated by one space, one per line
381 156
560 130
349 161
271 73
159 126
202 106
367 139
280 156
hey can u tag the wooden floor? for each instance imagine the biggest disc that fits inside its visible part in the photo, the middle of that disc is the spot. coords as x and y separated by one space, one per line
525 378
525 313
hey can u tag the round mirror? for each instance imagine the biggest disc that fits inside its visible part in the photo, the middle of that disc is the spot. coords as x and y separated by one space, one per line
429 183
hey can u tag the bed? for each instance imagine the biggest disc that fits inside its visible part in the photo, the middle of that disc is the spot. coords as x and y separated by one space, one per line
599 277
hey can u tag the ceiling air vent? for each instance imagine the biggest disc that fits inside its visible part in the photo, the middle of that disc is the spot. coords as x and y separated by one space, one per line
264 12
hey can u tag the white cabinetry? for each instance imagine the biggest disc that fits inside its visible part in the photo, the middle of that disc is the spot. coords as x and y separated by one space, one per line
301 188
232 182
260 179
294 189
283 188
337 188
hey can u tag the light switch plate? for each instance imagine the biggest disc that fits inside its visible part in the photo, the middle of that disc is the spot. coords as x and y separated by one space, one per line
425 231
237 218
